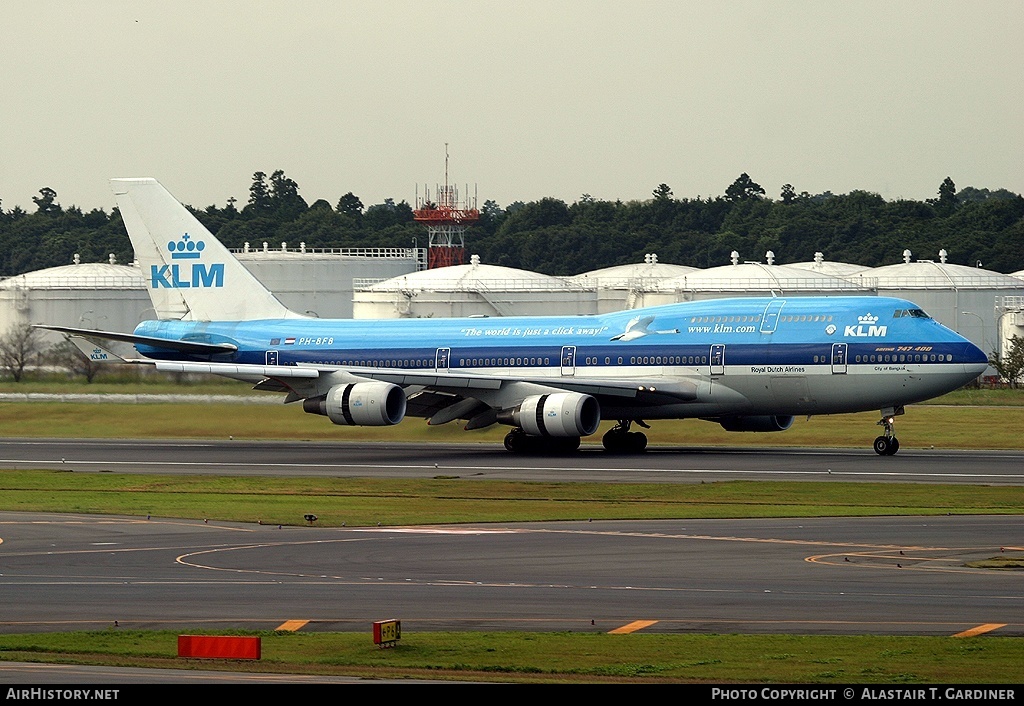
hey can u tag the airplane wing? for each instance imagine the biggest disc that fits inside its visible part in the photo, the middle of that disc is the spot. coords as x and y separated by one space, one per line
441 396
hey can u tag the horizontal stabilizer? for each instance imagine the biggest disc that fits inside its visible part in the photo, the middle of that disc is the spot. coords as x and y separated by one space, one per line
165 343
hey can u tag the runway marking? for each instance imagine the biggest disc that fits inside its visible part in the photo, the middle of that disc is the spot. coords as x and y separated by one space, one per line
879 560
632 627
292 625
987 627
593 469
437 530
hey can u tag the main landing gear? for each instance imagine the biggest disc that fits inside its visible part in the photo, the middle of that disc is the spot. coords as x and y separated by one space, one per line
519 442
887 444
619 439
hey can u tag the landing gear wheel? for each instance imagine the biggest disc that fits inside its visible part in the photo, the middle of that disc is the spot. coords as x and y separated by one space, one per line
516 441
881 446
563 445
519 442
886 445
620 440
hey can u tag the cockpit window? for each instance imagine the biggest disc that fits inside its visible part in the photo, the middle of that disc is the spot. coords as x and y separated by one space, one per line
916 313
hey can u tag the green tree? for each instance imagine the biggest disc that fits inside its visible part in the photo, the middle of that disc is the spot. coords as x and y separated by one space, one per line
788 193
350 205
1011 365
662 193
259 195
947 201
46 202
744 189
284 197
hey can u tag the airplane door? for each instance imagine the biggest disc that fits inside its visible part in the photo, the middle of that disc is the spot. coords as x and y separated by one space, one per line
718 359
770 319
838 358
568 360
272 358
441 359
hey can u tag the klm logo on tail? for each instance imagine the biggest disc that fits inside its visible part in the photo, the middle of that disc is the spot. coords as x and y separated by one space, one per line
184 275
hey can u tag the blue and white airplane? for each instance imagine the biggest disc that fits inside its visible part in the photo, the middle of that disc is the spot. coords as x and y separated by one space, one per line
749 364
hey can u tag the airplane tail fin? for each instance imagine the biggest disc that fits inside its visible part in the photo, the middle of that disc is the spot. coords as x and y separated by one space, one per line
189 273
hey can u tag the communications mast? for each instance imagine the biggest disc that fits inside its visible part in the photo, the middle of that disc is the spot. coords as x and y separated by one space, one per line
446 220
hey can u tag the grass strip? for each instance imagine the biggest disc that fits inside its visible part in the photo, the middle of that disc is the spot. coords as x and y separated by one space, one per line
927 427
566 657
446 500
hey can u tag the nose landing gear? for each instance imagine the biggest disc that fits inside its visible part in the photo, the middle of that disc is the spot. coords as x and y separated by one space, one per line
887 444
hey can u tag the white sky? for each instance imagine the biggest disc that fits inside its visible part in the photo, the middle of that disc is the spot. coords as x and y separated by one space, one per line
534 98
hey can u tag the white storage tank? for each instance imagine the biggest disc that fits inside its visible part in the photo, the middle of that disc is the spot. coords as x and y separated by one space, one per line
475 289
623 286
963 298
318 281
95 295
754 279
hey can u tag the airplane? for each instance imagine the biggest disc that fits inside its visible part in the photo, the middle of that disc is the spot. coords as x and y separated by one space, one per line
746 363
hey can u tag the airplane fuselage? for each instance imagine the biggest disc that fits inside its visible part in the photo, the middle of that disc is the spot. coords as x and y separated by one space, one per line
745 356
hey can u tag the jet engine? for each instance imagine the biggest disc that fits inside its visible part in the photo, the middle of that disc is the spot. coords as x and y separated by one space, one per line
557 414
770 422
371 404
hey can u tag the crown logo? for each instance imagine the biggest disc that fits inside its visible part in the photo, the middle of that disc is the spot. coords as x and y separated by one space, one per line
867 319
186 248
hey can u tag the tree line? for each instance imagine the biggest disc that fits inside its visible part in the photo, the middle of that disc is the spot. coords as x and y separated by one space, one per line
976 226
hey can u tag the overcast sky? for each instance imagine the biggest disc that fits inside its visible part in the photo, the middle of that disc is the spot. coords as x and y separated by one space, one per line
534 98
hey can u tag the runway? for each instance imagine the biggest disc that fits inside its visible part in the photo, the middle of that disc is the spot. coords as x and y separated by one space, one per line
491 461
812 576
880 575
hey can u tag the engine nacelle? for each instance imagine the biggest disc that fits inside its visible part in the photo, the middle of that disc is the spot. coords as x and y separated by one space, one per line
557 414
769 422
370 404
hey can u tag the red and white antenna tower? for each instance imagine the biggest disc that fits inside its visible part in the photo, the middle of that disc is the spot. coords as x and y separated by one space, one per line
446 220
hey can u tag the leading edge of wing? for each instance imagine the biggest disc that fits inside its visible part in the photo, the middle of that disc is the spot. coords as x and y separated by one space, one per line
462 384
681 390
196 347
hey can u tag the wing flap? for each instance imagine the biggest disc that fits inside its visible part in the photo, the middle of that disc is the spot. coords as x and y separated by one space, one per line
237 370
682 390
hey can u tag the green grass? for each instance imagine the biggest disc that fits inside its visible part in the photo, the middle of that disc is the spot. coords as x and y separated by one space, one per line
996 416
566 657
923 426
368 501
129 381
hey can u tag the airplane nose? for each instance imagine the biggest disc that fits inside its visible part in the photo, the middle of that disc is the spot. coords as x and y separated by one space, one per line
975 354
